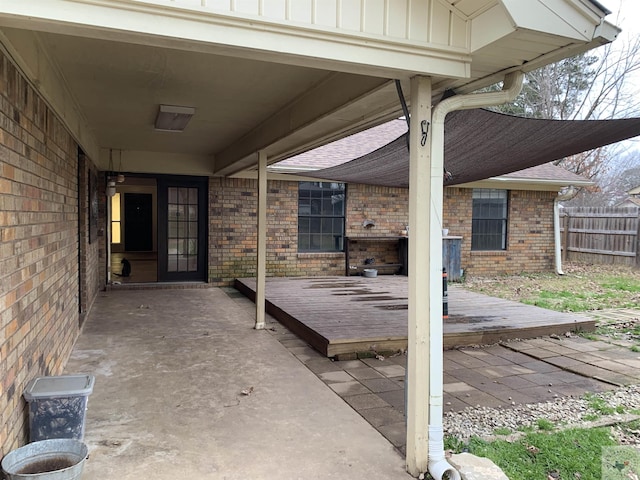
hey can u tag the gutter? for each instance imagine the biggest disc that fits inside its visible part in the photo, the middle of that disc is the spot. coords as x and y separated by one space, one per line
566 195
438 466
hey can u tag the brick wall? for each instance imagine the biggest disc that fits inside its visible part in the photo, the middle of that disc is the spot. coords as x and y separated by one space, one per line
387 207
38 247
530 246
92 240
233 230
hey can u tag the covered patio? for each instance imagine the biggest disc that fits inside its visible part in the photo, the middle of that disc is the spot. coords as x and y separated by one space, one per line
185 388
96 89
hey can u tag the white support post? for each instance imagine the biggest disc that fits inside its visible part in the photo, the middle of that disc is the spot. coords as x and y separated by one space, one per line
261 267
420 271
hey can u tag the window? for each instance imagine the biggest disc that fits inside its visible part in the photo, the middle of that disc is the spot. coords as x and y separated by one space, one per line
321 216
489 220
116 224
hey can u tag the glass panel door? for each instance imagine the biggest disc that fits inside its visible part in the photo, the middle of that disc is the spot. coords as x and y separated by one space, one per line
183 229
182 224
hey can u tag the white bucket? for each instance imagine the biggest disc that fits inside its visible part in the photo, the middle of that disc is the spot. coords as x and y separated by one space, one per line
370 272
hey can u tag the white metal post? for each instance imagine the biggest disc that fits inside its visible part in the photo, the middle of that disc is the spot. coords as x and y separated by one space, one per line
261 268
420 295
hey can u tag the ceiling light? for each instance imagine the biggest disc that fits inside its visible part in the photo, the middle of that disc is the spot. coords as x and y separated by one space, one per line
173 118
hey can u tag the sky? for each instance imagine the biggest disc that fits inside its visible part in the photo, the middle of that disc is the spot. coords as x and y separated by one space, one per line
629 10
625 14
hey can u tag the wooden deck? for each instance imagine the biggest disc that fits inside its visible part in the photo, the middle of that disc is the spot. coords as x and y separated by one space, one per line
339 316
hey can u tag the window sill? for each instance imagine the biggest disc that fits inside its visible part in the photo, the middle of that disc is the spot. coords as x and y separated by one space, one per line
492 253
321 254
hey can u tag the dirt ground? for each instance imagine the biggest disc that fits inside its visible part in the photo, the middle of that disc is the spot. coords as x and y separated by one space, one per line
582 287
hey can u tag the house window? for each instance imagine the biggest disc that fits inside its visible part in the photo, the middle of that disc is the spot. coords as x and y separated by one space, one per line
321 216
489 221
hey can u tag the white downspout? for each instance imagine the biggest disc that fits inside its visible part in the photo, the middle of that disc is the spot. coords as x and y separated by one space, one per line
439 468
556 236
567 195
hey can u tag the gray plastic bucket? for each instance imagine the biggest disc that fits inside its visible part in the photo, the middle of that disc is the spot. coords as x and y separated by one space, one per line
55 459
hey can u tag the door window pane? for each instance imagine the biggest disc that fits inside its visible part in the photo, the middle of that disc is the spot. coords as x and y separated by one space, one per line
183 229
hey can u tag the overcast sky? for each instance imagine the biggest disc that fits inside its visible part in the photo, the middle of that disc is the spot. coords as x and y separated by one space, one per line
626 15
628 11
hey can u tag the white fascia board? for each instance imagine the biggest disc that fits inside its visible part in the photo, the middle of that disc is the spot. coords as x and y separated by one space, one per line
569 19
151 23
506 183
572 20
286 177
135 161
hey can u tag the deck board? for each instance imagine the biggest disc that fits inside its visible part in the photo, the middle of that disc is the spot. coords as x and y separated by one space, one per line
346 315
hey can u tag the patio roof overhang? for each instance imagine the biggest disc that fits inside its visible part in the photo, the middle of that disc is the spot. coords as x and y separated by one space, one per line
267 78
480 144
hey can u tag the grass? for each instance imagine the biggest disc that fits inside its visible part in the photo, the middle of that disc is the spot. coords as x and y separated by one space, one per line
567 454
599 405
544 451
583 287
544 424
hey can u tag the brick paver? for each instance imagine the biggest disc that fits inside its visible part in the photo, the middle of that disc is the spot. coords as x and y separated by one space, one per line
517 372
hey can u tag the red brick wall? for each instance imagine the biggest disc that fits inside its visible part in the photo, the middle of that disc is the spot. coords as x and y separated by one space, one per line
233 230
387 207
530 245
38 247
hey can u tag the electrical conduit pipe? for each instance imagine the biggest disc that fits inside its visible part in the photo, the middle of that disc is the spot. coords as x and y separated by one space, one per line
438 466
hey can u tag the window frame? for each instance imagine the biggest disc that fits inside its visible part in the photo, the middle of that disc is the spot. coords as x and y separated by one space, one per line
484 228
321 224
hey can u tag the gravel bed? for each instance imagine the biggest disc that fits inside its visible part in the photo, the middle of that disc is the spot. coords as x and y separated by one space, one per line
564 412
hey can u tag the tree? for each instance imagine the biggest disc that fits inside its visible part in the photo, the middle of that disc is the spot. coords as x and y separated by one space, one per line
597 85
554 91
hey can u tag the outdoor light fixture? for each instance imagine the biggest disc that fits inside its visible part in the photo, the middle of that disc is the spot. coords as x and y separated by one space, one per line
173 118
111 188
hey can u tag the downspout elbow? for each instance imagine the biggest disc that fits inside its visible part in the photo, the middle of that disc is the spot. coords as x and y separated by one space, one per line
511 88
439 468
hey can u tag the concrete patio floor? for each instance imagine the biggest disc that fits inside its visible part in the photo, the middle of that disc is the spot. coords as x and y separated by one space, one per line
171 367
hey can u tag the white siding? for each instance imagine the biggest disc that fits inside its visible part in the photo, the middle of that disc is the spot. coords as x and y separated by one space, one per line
420 21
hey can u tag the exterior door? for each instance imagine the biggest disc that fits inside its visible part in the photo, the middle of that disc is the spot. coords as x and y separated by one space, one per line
182 228
138 222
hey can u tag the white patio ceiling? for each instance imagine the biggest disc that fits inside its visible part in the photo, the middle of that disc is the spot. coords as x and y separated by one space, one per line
260 82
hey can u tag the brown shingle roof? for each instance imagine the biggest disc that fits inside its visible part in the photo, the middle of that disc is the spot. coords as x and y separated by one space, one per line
348 148
547 171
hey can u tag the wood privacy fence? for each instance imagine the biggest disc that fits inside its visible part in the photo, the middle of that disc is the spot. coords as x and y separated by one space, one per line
601 235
